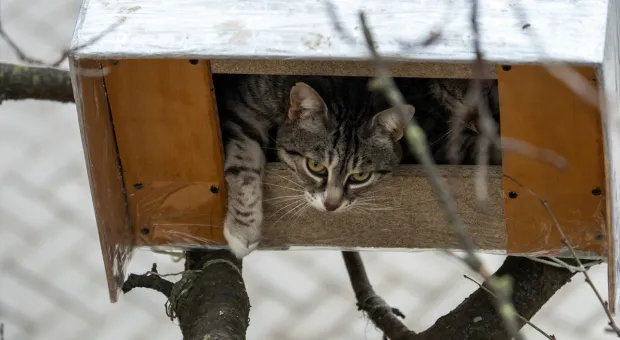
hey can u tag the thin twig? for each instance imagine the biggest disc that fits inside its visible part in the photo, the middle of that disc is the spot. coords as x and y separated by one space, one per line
337 23
378 311
488 127
555 262
551 337
151 280
22 56
417 140
524 148
347 37
604 303
580 266
566 74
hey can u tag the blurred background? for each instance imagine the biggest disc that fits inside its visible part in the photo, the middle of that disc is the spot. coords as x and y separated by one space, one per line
52 282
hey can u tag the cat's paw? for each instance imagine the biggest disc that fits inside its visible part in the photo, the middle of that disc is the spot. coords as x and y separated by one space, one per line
242 240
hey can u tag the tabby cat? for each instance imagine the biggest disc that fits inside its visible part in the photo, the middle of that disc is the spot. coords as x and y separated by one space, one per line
337 137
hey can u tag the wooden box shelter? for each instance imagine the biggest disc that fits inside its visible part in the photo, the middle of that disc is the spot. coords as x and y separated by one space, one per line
152 142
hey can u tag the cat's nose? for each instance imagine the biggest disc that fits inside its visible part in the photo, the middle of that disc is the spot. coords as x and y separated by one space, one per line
330 206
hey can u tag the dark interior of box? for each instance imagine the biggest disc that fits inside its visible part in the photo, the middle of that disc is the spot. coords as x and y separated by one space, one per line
436 119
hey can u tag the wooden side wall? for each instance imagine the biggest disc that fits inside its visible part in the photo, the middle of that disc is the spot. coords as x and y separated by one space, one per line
539 109
168 136
104 171
609 85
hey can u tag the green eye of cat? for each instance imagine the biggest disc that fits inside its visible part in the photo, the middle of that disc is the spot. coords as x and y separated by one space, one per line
359 177
316 167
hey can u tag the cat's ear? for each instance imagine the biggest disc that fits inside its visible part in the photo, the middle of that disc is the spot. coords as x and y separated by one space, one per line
392 120
305 102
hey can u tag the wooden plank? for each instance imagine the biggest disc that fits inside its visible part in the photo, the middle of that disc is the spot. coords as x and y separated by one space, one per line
610 87
411 217
570 30
363 68
539 109
104 173
168 136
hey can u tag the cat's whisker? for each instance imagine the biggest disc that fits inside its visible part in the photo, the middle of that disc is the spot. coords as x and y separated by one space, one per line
273 139
275 174
290 211
382 204
378 190
356 208
375 206
301 212
282 197
370 204
384 209
284 207
442 137
374 199
282 186
282 201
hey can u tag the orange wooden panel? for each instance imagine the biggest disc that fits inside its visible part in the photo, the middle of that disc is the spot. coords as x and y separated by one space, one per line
168 135
539 109
106 185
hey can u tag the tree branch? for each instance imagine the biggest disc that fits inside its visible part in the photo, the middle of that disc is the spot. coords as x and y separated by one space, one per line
149 280
27 82
210 300
378 311
476 319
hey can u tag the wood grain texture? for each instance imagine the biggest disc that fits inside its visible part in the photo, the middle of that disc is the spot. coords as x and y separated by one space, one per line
361 68
168 136
410 216
104 173
539 109
609 85
570 30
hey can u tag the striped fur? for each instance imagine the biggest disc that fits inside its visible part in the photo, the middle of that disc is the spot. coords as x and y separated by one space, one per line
338 139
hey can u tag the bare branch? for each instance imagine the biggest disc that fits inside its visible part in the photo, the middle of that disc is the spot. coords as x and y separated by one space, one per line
27 82
475 319
149 280
416 139
30 60
210 300
551 337
378 311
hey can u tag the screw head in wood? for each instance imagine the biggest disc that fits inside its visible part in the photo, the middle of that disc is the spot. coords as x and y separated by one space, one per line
506 67
596 191
214 189
138 186
145 231
512 195
193 61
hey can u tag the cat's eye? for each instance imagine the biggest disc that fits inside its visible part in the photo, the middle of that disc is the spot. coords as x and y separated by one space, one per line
359 177
316 167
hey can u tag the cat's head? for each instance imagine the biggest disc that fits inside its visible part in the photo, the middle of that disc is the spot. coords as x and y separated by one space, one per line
338 156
